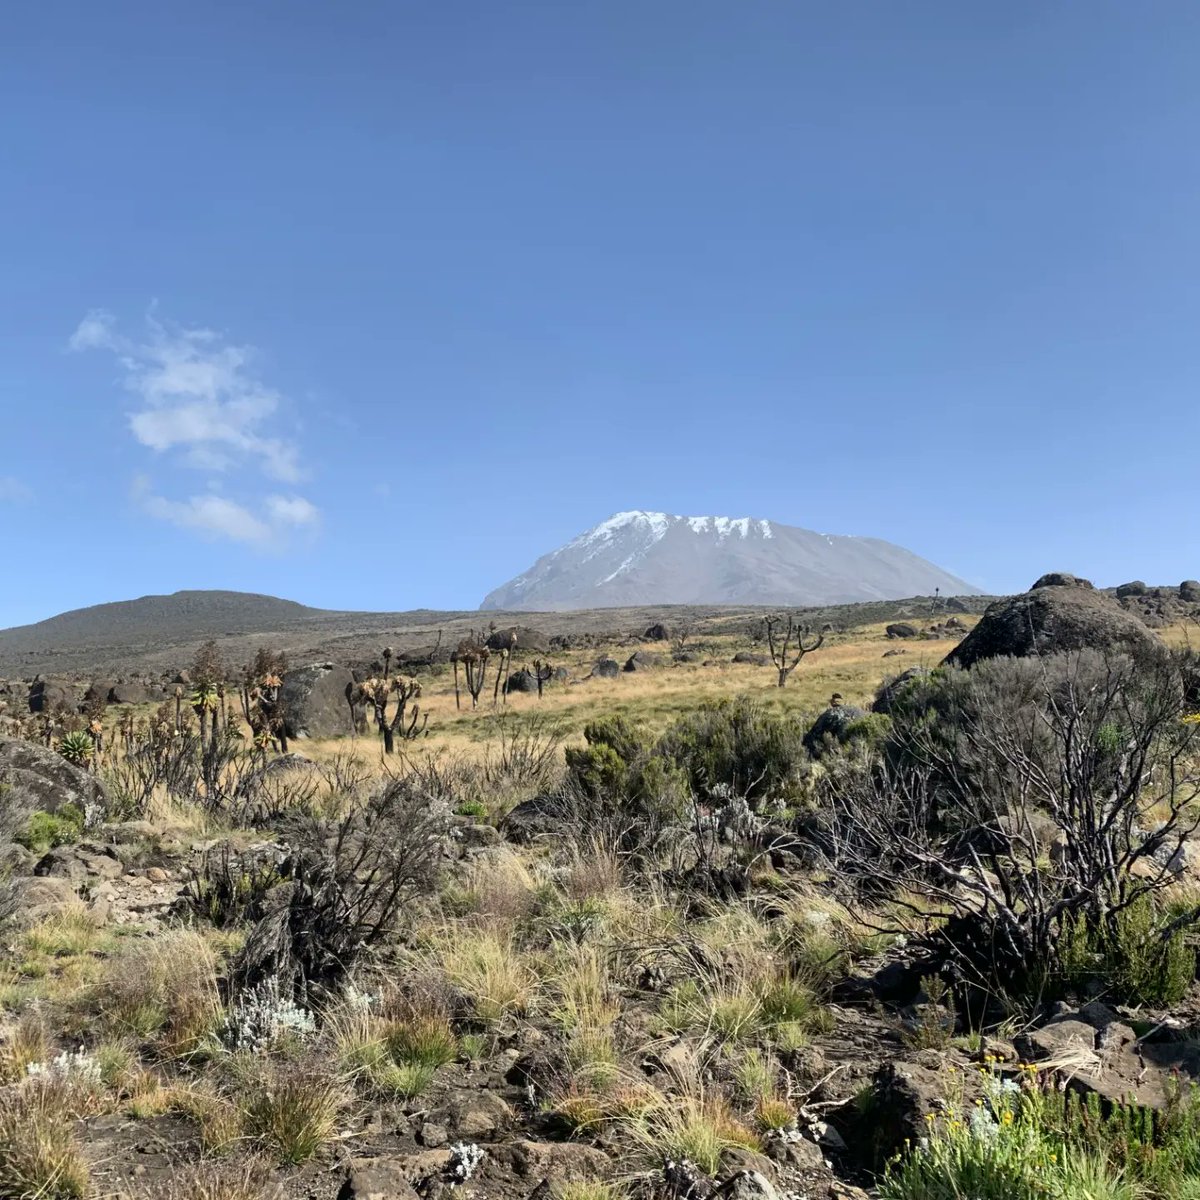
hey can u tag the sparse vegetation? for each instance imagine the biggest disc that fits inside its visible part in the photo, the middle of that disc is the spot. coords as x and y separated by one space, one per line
640 916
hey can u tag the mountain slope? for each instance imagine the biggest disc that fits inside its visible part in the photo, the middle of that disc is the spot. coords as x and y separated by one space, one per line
653 558
152 617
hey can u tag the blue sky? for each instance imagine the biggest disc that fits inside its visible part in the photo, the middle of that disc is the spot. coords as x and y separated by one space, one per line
368 305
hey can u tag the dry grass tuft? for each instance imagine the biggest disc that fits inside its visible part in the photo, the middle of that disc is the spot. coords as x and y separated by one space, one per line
28 1041
165 987
40 1156
295 1111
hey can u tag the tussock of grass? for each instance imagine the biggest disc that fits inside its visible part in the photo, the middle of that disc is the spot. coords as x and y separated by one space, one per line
295 1113
694 1125
221 1123
40 1156
28 1042
490 970
165 987
210 1182
68 933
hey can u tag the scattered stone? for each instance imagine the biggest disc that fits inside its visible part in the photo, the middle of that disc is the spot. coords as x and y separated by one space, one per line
377 1179
901 629
749 1185
481 1117
519 637
833 723
1135 588
607 668
45 695
85 860
890 689
434 1134
39 898
751 660
559 1162
534 818
521 681
641 661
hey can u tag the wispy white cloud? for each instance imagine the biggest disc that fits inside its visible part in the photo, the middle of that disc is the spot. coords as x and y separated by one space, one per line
213 515
200 402
198 395
218 517
13 491
292 510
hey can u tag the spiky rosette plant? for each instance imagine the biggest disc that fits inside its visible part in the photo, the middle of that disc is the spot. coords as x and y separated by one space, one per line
77 747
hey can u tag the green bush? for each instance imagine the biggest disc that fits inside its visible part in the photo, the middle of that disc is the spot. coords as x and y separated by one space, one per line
1037 1141
44 831
618 778
1137 964
738 745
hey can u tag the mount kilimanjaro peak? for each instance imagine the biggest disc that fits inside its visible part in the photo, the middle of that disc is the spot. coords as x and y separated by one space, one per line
646 558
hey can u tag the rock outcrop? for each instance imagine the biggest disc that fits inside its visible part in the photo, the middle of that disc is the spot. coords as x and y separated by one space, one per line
1059 613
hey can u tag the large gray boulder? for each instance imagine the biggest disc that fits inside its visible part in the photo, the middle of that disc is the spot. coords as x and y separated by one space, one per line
528 640
1059 613
314 701
33 777
133 691
45 695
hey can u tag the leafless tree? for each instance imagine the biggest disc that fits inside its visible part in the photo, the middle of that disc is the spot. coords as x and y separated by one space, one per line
682 635
786 639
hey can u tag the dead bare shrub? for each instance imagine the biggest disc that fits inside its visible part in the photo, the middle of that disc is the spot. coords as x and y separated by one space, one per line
350 884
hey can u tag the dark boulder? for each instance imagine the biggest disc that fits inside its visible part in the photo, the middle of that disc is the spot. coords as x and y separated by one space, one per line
532 819
1053 618
418 658
885 697
34 777
521 681
527 640
901 629
1062 579
132 691
1189 591
607 668
1134 588
832 723
314 703
641 661
657 633
98 692
45 695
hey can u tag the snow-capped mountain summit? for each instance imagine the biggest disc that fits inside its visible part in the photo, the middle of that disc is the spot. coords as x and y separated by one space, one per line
639 558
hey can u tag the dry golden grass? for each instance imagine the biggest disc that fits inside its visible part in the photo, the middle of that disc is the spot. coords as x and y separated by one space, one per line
850 663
